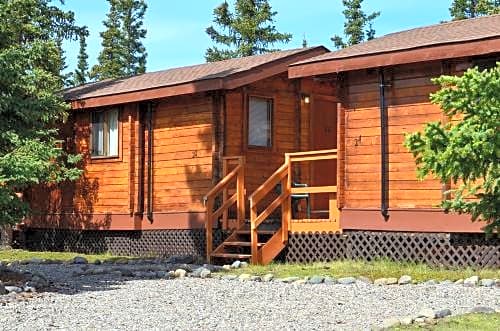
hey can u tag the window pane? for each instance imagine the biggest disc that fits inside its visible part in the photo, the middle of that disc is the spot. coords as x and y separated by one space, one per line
97 134
113 132
259 122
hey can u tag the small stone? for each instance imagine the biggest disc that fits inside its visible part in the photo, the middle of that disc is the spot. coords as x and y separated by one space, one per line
471 281
80 260
316 280
482 310
347 280
487 282
243 264
431 282
390 323
197 272
419 320
385 281
14 289
329 281
300 282
365 280
404 280
205 273
267 277
229 277
459 281
290 279
406 320
255 279
442 313
226 267
236 264
180 273
392 281
427 313
97 262
244 277
30 289
446 282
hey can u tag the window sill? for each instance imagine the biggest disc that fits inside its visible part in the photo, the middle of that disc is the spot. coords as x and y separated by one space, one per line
105 159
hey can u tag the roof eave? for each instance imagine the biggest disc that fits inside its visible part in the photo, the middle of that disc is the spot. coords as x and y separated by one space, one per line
231 82
422 54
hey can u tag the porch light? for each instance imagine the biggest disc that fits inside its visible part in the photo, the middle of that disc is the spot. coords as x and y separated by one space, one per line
306 98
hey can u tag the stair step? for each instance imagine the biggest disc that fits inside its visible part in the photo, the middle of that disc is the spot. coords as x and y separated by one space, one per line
241 243
232 255
258 231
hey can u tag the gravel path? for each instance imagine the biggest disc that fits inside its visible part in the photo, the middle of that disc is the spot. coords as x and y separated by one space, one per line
103 303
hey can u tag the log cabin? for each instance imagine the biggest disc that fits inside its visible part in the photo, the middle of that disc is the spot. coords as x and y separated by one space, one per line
293 155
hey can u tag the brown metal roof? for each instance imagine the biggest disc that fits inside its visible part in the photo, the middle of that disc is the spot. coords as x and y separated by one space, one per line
190 74
445 33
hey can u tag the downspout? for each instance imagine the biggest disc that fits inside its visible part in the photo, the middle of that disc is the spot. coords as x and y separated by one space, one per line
149 118
142 156
384 148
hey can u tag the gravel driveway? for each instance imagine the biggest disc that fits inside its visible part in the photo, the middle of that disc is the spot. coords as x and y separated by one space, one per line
104 303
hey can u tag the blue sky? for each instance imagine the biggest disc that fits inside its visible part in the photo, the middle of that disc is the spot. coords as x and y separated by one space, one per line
176 29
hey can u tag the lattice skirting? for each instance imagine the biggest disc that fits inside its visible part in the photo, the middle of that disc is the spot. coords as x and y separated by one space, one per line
161 243
441 249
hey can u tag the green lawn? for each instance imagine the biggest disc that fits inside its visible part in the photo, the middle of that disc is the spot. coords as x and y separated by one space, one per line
10 255
372 270
483 322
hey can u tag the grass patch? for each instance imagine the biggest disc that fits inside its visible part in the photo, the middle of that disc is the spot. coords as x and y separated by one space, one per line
9 255
484 322
372 270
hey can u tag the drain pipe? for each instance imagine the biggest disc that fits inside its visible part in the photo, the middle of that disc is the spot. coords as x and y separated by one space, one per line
384 148
149 118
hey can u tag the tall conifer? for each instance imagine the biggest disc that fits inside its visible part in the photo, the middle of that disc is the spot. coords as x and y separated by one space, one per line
463 9
248 30
81 72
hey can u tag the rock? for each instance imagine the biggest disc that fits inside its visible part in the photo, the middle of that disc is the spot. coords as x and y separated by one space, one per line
316 280
446 282
482 310
267 277
97 262
80 260
487 282
442 313
36 261
205 273
459 281
180 273
471 281
364 279
390 323
236 264
14 289
404 280
430 321
243 264
229 277
30 289
419 320
197 273
226 267
329 281
406 320
431 282
2 289
346 280
244 277
255 279
426 313
300 282
290 279
385 281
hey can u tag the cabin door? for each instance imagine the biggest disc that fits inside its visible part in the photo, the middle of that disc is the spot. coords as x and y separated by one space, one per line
323 136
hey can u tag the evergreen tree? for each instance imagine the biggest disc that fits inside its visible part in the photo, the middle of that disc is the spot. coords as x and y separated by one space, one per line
463 9
123 53
358 26
249 30
31 106
81 72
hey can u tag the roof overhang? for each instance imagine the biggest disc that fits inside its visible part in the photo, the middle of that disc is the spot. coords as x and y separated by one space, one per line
422 54
228 83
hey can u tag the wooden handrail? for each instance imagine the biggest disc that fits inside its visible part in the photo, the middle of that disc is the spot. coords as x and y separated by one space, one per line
222 187
268 185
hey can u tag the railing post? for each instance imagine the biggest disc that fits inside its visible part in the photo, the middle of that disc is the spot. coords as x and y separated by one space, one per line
286 209
224 193
240 190
209 227
253 233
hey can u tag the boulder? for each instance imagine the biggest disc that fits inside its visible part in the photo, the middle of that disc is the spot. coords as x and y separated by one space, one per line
180 273
406 320
244 277
267 277
316 280
487 282
404 280
80 260
236 264
471 281
442 313
346 280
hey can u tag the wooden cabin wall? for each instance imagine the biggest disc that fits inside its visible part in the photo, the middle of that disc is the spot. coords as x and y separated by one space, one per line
182 157
408 110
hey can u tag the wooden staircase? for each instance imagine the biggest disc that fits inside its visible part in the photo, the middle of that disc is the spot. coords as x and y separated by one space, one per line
256 239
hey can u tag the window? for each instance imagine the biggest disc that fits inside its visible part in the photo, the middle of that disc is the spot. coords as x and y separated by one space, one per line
260 114
105 133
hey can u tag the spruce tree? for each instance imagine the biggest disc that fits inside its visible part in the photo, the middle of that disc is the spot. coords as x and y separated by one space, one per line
31 105
463 9
358 26
123 53
249 30
81 72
